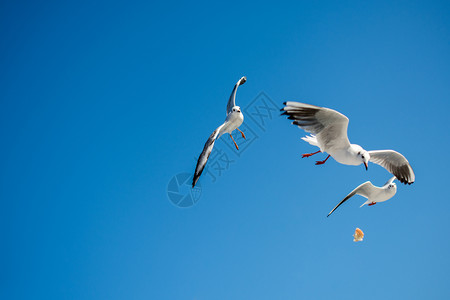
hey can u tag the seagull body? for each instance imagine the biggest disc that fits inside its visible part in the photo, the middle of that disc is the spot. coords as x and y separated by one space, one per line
374 194
233 120
328 130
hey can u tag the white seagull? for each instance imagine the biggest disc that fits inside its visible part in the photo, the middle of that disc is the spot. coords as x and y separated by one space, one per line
374 194
328 130
233 120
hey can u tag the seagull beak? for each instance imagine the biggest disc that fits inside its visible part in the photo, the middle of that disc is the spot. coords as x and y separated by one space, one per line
365 164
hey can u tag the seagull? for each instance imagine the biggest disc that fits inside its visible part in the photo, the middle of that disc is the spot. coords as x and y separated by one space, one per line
233 120
328 129
374 194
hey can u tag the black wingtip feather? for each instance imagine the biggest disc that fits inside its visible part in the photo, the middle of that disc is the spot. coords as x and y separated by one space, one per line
404 181
194 180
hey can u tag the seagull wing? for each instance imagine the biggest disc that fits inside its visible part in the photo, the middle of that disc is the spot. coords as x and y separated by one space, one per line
329 126
390 181
366 189
232 100
201 163
395 163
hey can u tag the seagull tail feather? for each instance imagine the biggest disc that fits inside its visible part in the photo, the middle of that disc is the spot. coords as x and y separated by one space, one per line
367 202
311 139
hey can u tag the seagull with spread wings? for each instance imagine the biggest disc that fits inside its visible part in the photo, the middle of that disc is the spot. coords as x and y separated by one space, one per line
328 129
374 194
233 120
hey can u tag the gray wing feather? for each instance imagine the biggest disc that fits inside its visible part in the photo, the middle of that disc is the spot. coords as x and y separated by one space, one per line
329 126
364 190
395 163
203 158
232 100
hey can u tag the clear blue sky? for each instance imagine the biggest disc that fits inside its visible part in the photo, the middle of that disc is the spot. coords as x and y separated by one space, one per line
103 102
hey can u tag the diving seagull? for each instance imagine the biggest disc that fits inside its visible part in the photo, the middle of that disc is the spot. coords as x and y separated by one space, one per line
328 129
233 120
374 194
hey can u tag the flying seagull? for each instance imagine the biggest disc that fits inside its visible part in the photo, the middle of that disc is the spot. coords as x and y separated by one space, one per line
374 194
328 130
233 120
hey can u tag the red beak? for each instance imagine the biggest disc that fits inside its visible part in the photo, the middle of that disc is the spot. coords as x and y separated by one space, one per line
365 164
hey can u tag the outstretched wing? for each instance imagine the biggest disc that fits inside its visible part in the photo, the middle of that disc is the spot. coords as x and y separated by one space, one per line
232 100
364 190
395 163
329 126
203 158
390 180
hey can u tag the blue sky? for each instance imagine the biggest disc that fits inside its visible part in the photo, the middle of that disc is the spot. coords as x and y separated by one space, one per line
104 102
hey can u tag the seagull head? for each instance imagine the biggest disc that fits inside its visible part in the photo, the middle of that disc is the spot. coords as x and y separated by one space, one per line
392 186
364 156
236 109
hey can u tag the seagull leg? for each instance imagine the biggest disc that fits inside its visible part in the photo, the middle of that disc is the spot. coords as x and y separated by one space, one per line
234 142
309 154
373 203
243 135
323 161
